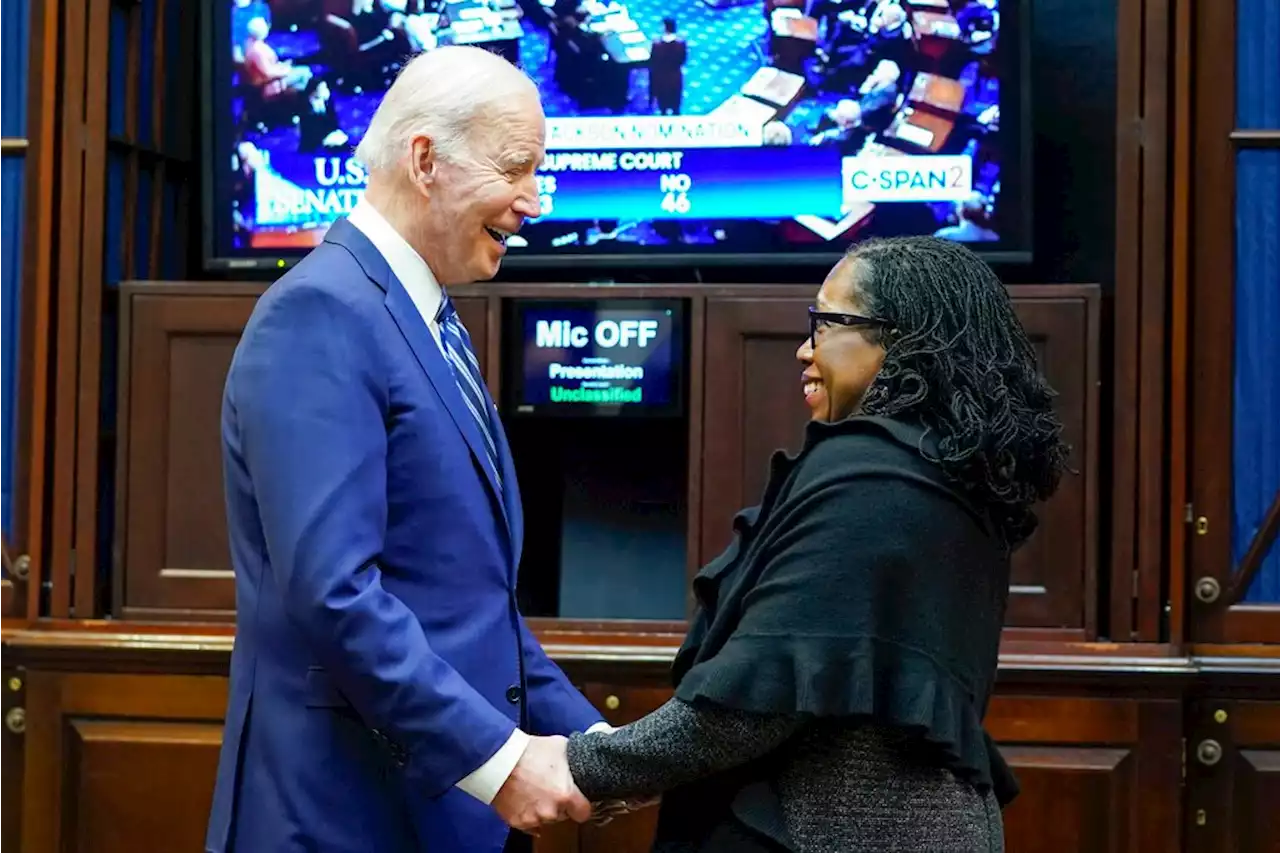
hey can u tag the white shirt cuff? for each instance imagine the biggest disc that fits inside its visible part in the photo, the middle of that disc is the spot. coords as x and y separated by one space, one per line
484 782
601 726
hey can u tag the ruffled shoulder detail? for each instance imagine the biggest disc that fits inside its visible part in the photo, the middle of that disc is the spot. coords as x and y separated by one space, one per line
860 677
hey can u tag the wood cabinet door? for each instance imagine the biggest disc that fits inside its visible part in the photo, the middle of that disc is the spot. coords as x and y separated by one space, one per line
13 743
1233 776
1096 774
120 763
1230 346
173 558
173 555
754 406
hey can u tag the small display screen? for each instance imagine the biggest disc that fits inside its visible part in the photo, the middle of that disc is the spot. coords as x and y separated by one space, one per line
597 357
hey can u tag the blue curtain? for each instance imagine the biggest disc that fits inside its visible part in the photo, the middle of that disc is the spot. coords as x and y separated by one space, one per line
14 30
1256 419
1256 416
1257 65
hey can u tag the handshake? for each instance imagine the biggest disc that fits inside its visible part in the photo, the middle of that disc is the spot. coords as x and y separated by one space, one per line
541 791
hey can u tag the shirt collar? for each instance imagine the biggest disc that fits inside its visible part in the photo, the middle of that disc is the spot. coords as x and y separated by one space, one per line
407 265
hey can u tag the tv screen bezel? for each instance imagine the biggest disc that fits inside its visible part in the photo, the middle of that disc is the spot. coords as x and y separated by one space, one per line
1017 171
513 364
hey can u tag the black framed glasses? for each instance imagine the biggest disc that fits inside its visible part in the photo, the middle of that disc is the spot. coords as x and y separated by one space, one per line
819 320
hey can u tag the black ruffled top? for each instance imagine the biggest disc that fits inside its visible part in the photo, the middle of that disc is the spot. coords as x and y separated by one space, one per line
864 585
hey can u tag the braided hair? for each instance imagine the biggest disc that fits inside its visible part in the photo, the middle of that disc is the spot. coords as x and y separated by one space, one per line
958 361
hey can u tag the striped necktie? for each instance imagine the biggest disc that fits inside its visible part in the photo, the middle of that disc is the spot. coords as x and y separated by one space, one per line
466 371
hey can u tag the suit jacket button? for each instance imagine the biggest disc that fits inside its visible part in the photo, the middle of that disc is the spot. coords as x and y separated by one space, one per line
514 694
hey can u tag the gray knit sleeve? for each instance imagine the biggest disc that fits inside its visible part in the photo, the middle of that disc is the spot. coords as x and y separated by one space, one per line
676 744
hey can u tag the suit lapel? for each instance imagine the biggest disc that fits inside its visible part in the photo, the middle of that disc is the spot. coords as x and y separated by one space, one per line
433 363
511 496
428 355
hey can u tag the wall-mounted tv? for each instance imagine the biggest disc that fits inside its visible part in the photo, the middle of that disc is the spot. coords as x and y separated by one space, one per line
594 357
685 131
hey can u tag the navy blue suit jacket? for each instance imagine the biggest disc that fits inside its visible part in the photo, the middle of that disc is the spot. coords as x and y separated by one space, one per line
379 655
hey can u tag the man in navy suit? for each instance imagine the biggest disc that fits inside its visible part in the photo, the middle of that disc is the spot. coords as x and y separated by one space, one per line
386 694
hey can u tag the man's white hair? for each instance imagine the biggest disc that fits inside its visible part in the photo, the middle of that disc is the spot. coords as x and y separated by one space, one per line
439 94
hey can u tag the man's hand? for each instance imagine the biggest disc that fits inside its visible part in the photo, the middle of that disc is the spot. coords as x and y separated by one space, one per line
540 789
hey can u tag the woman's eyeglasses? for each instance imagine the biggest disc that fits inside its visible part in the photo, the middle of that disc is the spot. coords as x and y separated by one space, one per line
819 320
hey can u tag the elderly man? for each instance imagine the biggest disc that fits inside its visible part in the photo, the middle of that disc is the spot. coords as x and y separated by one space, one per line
385 692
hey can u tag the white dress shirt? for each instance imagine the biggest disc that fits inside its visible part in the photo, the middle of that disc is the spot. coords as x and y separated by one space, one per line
484 782
404 261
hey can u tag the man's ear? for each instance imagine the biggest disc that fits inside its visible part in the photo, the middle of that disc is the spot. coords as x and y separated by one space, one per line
423 164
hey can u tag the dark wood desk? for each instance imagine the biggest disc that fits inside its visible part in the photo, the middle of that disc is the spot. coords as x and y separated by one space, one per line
940 93
919 129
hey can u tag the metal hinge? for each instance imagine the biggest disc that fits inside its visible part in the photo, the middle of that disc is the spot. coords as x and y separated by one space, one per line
1201 523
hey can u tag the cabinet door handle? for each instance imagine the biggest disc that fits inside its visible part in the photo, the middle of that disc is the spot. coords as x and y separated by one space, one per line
612 703
1208 589
1209 752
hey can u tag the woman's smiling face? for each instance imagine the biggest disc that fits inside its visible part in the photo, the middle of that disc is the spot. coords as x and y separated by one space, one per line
840 361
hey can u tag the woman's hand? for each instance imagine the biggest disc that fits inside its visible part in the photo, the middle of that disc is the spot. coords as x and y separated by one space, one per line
604 812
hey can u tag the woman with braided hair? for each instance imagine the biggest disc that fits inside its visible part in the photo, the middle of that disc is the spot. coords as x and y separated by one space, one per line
830 694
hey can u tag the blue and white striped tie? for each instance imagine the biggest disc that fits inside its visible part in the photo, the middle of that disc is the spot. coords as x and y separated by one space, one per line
466 371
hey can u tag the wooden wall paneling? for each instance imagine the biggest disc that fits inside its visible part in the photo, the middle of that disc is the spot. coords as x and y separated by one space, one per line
1212 266
173 559
176 345
30 521
89 374
1125 315
77 53
695 402
115 763
12 753
558 838
168 539
81 155
1152 333
1233 776
70 157
753 406
1150 597
491 357
159 71
37 282
748 372
1211 246
1138 409
128 141
115 758
1055 573
1096 773
1179 323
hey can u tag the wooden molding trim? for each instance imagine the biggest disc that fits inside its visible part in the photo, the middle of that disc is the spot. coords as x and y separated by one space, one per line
1256 138
126 648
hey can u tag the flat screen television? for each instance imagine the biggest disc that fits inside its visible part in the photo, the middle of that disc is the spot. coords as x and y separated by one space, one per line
686 131
595 357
